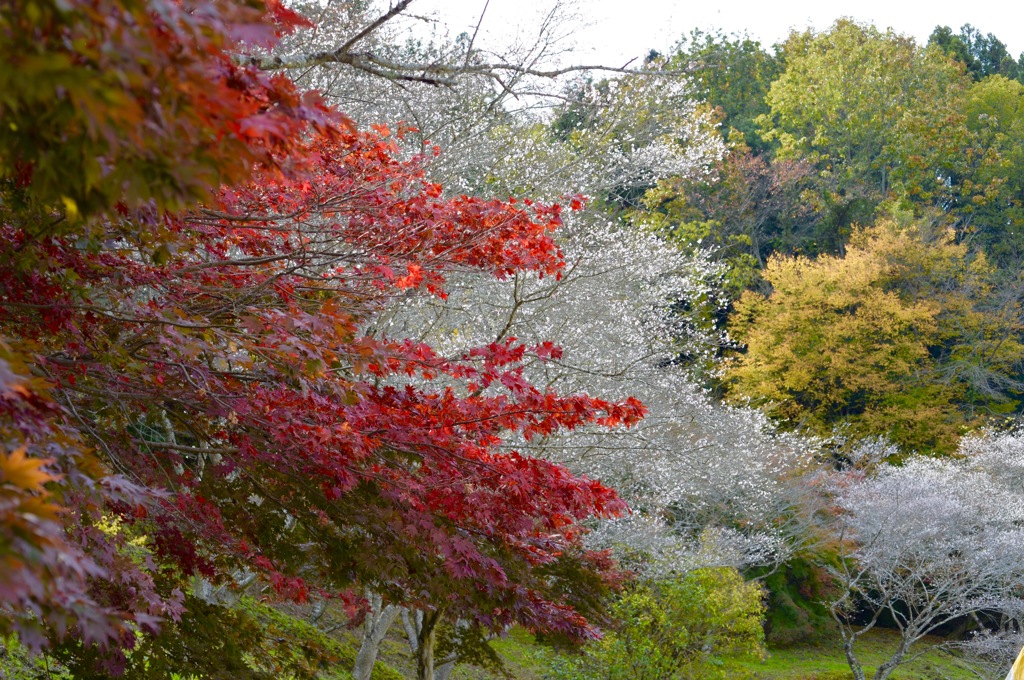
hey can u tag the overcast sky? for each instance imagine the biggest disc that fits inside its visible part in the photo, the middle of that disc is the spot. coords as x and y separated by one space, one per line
613 31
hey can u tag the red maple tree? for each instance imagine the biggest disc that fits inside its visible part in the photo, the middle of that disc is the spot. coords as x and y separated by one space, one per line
204 375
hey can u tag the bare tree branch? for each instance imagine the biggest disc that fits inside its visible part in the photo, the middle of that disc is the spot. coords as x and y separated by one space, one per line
434 73
380 21
431 74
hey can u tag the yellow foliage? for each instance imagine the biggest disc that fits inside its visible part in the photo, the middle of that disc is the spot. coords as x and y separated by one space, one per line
880 341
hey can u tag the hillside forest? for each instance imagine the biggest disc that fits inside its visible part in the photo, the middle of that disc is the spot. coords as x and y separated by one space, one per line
333 346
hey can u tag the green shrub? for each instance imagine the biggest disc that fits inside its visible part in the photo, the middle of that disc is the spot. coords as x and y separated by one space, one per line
680 628
795 610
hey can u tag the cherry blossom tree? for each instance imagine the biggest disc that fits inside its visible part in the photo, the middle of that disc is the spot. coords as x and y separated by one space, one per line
927 543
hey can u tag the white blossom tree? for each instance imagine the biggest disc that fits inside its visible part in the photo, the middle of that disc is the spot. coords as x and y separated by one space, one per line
927 543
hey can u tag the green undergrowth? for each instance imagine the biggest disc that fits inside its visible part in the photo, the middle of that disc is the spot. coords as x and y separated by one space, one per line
290 647
822 660
523 658
298 638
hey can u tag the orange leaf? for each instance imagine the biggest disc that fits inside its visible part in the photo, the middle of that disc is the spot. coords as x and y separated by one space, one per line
18 469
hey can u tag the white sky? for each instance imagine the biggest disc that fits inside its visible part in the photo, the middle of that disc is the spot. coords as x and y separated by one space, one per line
614 31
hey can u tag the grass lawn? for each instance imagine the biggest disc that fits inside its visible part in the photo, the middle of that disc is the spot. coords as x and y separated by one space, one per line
825 661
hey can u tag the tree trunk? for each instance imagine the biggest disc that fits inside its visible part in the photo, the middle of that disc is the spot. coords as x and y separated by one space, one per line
425 645
886 669
421 627
411 621
444 671
378 620
851 659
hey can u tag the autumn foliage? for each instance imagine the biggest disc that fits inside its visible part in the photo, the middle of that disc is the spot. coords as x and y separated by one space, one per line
204 379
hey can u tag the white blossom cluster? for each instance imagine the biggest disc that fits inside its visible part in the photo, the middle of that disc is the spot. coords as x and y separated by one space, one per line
938 514
1000 456
933 540
991 652
643 545
494 133
632 132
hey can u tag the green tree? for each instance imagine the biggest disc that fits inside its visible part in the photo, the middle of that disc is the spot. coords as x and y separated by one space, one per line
677 628
995 116
876 115
732 74
981 55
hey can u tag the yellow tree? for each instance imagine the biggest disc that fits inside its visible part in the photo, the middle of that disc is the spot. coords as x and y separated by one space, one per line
893 339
